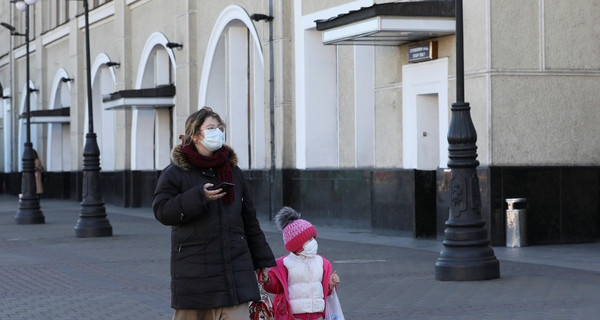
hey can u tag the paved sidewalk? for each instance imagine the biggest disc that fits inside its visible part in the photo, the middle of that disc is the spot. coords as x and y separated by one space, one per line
48 273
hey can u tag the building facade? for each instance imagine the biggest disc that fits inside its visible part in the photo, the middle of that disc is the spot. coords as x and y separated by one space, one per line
326 117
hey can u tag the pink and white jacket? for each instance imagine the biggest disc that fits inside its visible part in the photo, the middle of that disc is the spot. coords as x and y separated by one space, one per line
278 285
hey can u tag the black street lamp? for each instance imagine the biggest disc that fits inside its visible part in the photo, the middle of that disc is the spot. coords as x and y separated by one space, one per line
466 254
29 204
92 220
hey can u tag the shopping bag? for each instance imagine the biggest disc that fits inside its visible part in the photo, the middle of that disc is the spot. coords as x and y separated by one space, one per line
263 308
333 308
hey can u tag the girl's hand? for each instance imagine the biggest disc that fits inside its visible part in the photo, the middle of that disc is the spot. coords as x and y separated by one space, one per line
334 280
264 272
213 194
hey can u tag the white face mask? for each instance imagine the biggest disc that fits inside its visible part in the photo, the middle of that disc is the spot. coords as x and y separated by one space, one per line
213 139
310 248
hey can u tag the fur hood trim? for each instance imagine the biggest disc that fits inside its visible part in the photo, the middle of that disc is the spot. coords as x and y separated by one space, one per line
179 159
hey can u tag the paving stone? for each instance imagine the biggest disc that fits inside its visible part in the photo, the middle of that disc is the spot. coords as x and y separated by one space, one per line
48 273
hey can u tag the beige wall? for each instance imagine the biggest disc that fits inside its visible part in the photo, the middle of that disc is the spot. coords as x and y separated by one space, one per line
388 128
531 66
515 35
388 105
347 145
283 47
476 93
545 120
571 34
544 82
311 6
475 27
122 37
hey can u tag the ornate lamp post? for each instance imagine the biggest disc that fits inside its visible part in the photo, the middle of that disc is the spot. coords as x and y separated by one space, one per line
29 205
92 220
466 254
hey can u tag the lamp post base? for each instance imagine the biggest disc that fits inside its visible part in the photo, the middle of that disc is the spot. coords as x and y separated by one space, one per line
29 212
93 226
467 254
29 204
92 220
467 264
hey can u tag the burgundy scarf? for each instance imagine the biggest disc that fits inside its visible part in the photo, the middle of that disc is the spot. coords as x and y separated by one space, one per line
219 161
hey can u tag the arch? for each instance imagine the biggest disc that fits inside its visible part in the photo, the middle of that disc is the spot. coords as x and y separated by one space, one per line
103 82
233 49
230 13
101 61
58 145
156 67
155 39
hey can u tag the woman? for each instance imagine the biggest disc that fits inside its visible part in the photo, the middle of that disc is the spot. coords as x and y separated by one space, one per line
216 240
39 171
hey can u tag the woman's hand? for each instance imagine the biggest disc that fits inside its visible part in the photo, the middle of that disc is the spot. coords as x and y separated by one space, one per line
213 194
264 272
334 280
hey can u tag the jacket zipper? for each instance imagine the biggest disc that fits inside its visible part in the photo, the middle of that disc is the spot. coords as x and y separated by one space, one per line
191 244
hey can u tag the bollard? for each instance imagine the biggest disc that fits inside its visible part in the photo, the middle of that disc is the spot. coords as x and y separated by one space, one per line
516 223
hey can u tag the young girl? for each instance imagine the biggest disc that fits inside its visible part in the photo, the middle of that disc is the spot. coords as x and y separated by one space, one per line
302 280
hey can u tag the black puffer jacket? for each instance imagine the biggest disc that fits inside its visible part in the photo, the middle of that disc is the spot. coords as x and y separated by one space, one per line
215 249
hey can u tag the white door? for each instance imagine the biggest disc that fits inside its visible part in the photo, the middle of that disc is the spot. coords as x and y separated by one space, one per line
425 111
428 142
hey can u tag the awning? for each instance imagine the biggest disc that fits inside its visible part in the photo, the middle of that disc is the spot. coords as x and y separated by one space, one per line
390 24
152 98
59 115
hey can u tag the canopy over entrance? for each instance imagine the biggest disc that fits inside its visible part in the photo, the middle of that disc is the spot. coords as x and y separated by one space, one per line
159 97
390 24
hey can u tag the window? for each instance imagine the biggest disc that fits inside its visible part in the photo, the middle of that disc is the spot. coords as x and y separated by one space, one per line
96 3
92 5
55 13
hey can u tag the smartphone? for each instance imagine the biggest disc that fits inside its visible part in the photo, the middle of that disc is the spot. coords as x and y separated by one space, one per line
224 185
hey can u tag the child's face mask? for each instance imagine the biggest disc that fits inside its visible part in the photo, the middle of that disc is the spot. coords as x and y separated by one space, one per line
310 248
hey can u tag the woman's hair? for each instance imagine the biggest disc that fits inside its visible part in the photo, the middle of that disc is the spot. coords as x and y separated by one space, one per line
195 121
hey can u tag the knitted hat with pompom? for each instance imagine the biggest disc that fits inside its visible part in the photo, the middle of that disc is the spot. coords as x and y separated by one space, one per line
296 231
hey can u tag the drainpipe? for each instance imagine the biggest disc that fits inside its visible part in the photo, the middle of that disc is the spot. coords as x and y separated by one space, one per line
13 105
271 113
269 19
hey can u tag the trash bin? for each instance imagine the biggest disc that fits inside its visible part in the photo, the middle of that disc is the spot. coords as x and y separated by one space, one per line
516 223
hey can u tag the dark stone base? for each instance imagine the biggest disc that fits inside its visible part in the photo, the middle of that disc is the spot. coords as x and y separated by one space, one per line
261 188
10 183
388 201
404 200
563 202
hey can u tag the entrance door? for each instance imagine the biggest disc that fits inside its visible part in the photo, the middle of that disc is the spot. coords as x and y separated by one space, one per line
428 142
425 114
